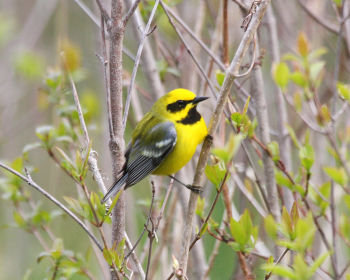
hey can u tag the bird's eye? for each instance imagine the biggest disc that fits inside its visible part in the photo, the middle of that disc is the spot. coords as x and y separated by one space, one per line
181 103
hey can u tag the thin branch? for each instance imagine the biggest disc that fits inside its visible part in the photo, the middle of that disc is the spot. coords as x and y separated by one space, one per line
282 119
205 222
225 34
224 92
248 195
105 66
320 20
134 257
212 88
151 232
80 112
195 37
31 183
148 59
259 97
277 262
104 13
87 11
130 12
138 56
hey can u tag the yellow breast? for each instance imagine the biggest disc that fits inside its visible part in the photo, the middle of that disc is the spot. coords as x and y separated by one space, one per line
188 138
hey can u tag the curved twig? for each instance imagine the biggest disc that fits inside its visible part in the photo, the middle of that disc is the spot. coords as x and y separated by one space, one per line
31 183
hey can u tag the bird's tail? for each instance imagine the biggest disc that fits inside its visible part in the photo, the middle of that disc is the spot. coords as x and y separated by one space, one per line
115 188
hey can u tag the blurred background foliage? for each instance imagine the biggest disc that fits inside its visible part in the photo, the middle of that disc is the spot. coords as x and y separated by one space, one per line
43 40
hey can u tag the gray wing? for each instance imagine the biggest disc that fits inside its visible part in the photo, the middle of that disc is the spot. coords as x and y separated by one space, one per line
146 155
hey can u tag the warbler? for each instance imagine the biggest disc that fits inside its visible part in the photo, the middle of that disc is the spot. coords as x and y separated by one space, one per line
164 140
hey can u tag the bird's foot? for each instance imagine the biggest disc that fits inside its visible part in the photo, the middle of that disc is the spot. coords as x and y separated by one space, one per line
195 189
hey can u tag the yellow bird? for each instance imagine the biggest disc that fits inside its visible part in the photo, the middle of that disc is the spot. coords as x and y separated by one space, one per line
164 140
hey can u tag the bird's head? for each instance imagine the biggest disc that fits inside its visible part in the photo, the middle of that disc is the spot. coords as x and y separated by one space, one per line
179 105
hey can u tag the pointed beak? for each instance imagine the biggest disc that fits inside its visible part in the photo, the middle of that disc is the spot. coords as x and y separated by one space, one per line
199 99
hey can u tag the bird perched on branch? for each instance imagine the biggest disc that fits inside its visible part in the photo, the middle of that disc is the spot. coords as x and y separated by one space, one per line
164 140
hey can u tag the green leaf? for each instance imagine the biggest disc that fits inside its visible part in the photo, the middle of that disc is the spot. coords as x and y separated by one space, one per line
44 132
108 256
282 180
344 225
305 232
30 65
344 91
346 198
299 79
301 268
294 213
216 173
247 224
338 175
293 136
321 197
220 77
32 146
203 230
274 149
286 224
317 53
245 108
281 74
235 246
315 69
114 202
318 262
279 270
307 156
57 249
325 114
270 226
238 233
41 217
231 147
200 206
338 3
20 221
298 101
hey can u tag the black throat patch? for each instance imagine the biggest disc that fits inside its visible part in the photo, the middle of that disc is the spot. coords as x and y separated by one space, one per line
192 117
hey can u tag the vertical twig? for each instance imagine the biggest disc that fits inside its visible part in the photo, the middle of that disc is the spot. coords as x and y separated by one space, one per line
224 91
138 57
282 120
149 64
116 144
225 34
264 128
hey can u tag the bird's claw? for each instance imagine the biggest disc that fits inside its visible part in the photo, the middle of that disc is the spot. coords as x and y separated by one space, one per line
195 189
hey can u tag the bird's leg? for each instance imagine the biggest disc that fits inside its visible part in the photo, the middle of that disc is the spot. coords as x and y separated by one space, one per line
195 189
